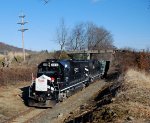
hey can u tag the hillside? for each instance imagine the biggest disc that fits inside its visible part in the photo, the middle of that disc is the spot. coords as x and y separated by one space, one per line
5 47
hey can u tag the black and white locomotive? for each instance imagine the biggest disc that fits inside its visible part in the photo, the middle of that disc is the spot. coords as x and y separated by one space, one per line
56 79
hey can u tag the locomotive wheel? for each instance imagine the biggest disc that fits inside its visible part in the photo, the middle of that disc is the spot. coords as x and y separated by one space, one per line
87 84
68 93
62 96
83 86
91 79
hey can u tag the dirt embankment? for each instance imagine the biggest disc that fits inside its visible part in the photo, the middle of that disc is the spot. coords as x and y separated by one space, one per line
133 101
12 100
127 100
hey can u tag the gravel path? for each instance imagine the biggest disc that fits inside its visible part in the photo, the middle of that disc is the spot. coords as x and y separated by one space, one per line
61 110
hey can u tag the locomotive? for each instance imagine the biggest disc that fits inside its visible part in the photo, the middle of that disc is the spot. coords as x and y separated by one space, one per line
56 79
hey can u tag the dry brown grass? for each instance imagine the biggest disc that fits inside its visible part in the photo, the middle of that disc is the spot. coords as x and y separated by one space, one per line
133 98
139 80
34 59
1 56
16 75
12 54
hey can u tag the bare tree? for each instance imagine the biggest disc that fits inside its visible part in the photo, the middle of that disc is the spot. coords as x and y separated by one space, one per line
61 34
98 38
89 36
76 40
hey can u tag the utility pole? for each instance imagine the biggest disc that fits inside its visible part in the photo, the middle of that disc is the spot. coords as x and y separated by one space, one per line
22 23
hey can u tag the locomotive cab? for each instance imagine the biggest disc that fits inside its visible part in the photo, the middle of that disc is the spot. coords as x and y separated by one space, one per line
52 70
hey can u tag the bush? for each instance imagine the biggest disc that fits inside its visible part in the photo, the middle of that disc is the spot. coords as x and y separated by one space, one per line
61 55
14 75
131 59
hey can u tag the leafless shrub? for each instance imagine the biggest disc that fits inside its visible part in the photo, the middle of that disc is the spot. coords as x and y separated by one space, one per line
126 59
61 34
14 75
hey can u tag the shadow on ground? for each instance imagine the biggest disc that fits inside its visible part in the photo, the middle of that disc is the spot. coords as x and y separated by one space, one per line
112 76
25 94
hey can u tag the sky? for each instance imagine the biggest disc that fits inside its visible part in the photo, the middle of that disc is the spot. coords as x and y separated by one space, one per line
127 20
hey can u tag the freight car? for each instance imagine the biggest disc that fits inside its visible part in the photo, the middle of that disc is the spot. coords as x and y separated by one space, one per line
56 79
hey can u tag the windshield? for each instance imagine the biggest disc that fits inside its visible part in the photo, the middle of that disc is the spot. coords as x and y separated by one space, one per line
50 68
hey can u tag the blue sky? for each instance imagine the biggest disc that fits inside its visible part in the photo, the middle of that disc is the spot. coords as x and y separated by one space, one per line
127 20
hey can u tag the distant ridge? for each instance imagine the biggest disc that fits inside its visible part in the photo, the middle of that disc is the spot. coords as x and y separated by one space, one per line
9 48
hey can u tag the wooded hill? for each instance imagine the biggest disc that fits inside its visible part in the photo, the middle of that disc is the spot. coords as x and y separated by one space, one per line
9 48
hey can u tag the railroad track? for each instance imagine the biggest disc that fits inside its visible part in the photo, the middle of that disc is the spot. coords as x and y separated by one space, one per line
26 116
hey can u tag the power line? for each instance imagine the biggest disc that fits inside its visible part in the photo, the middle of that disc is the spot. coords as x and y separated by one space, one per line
46 1
22 23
